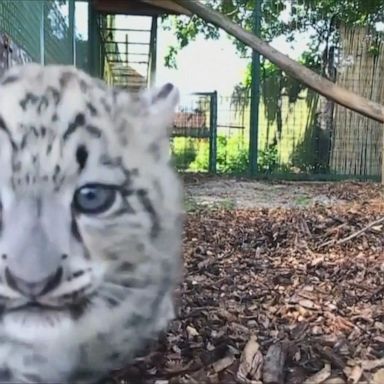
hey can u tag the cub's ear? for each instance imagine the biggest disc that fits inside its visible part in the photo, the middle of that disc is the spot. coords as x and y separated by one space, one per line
162 103
146 118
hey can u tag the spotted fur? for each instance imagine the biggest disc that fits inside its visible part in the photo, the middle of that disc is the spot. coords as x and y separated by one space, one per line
113 272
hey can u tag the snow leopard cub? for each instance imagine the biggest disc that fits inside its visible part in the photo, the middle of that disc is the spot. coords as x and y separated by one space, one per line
90 224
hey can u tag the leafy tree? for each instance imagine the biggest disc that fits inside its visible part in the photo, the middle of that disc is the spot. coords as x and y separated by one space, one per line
319 17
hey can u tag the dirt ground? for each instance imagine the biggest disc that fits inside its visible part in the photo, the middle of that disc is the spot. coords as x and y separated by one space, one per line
247 195
240 194
283 284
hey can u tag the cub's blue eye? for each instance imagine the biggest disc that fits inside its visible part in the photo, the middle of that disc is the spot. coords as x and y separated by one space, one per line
94 198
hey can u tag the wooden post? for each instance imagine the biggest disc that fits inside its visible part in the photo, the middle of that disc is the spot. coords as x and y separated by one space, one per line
382 159
153 52
291 67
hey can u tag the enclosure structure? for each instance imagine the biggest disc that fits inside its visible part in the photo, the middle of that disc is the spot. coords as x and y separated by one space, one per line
300 134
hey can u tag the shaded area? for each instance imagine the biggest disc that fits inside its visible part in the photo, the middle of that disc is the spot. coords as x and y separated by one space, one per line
263 275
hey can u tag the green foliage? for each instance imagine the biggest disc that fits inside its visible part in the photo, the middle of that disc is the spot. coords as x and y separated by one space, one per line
320 18
170 57
232 154
268 159
184 154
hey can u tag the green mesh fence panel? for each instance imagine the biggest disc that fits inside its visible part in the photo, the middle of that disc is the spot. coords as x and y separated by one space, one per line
81 31
57 34
44 28
21 20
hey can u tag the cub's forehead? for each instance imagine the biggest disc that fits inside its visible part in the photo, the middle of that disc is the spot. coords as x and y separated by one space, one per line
49 118
41 93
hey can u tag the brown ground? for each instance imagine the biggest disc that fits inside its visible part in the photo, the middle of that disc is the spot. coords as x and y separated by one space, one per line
268 297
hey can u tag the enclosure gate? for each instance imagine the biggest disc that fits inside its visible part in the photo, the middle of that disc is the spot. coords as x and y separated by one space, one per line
194 134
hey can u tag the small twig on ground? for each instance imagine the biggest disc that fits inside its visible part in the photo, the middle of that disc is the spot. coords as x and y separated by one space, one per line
353 235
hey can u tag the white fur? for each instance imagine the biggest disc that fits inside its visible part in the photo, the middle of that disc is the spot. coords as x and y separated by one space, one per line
134 125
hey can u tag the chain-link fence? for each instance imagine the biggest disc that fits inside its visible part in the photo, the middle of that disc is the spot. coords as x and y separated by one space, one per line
301 134
46 31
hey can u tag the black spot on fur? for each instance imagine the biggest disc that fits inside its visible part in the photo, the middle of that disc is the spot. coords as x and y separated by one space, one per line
157 188
54 117
4 128
65 78
83 86
16 166
142 195
49 148
154 150
43 104
77 274
92 109
23 142
109 161
39 206
76 123
94 131
75 229
43 131
81 156
10 80
164 92
126 266
5 375
56 173
35 131
106 105
77 310
29 98
112 302
55 94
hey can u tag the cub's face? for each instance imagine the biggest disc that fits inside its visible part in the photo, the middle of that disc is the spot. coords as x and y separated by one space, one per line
89 203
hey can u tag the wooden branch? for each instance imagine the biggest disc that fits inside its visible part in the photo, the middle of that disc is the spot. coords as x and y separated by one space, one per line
139 7
354 234
168 5
291 67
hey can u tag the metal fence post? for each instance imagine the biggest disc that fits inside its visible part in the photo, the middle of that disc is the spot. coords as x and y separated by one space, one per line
72 28
153 52
42 33
213 134
94 42
255 95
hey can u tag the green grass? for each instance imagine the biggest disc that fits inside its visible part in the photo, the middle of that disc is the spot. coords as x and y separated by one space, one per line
302 200
232 144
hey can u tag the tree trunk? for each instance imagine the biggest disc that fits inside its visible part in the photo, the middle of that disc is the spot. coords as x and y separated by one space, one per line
357 140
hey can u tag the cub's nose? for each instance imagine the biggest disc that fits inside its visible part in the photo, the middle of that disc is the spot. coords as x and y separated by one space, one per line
34 288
